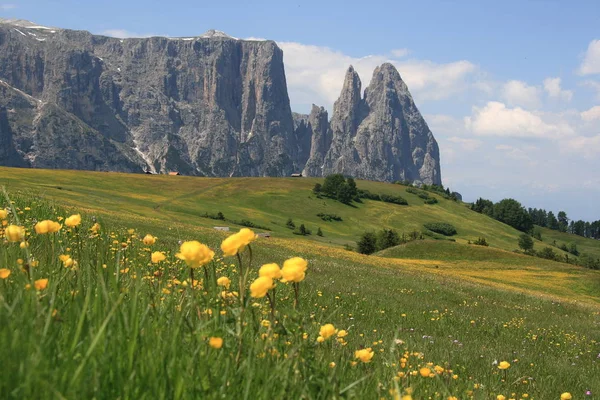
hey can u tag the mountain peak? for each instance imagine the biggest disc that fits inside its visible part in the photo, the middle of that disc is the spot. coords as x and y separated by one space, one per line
22 23
213 34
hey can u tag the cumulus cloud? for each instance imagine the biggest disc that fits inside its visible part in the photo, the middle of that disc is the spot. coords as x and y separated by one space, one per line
591 115
124 34
496 119
316 74
518 93
552 87
591 61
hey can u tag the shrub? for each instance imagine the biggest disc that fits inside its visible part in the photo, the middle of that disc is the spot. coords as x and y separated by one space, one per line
481 242
317 189
393 199
547 253
367 243
431 200
218 216
443 228
302 231
250 224
290 224
365 194
329 217
525 242
319 232
387 238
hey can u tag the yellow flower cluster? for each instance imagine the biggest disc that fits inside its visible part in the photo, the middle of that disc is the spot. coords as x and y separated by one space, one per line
195 254
149 240
47 226
294 269
270 270
261 286
14 233
364 355
3 213
73 221
237 242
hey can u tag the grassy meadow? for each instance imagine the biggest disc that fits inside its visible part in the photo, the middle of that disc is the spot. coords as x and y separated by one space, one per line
430 319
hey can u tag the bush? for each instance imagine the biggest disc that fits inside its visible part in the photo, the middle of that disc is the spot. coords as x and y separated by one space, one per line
441 228
481 242
431 200
250 224
290 224
319 232
387 238
302 231
218 216
525 242
317 189
329 217
367 243
393 199
547 253
365 194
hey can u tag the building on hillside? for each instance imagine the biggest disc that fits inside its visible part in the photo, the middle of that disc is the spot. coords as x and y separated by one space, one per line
222 228
297 175
173 173
264 234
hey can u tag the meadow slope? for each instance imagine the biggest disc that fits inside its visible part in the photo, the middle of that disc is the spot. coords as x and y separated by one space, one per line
116 325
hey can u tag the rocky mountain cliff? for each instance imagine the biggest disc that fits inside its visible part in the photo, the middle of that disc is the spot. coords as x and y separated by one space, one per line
210 105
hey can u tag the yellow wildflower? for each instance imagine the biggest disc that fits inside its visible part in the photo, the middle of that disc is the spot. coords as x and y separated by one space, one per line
149 240
215 342
342 333
566 396
4 273
95 228
157 257
41 284
504 365
224 281
3 213
294 269
327 331
24 245
47 226
320 339
425 372
364 355
195 254
500 397
271 270
14 233
73 221
261 286
237 242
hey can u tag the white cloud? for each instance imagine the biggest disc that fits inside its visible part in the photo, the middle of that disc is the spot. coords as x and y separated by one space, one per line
591 61
7 7
466 144
552 87
495 119
588 146
315 74
124 34
399 53
518 93
592 114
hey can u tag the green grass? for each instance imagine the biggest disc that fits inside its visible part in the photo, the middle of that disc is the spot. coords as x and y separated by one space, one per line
584 245
116 334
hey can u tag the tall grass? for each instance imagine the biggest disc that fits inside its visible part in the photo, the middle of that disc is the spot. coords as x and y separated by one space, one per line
116 325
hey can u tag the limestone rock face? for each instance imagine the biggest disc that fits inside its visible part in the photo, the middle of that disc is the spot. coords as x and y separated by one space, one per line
381 136
210 105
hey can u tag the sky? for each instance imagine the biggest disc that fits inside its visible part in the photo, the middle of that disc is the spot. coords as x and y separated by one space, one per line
510 89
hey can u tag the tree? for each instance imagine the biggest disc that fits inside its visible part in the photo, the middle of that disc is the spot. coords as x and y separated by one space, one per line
552 221
573 249
319 232
344 194
317 189
387 238
367 243
483 206
352 186
220 216
563 221
332 184
512 213
303 231
526 242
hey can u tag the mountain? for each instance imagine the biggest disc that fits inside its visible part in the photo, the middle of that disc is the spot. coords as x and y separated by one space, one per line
210 105
380 136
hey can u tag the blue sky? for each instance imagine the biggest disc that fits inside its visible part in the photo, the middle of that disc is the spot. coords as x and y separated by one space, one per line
508 88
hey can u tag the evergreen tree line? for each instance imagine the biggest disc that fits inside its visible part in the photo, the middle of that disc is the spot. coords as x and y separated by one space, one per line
562 223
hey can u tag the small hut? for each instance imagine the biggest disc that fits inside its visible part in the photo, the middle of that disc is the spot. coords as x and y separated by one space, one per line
174 173
297 175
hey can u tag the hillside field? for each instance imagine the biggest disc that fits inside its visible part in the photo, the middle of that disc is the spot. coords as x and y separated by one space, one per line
108 330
